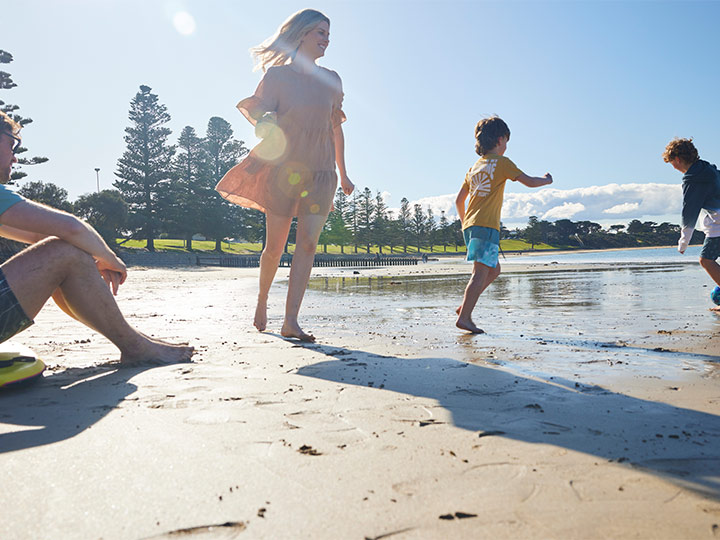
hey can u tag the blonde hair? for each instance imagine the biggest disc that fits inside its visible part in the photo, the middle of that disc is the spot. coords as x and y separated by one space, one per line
282 46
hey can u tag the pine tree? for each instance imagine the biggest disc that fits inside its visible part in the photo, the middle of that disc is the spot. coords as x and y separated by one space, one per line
430 228
336 230
353 211
379 226
6 83
404 220
145 168
191 170
365 216
223 152
417 226
443 230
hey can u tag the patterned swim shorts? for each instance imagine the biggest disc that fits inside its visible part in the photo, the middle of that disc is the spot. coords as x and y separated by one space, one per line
482 244
711 248
12 316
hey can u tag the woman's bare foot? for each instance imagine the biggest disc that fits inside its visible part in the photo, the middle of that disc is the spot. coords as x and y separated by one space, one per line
467 324
260 321
155 352
294 331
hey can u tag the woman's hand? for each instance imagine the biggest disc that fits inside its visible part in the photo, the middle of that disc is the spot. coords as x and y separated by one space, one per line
347 186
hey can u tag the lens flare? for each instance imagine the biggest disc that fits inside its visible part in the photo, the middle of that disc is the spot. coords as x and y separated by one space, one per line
184 23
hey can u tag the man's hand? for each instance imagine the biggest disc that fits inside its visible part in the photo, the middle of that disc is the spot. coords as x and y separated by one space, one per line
347 186
113 272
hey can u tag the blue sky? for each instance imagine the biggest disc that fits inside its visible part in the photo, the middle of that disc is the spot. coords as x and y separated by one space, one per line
592 91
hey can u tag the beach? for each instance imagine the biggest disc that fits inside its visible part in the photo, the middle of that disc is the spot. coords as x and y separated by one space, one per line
589 409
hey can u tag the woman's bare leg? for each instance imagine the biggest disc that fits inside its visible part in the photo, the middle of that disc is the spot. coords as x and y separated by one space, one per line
277 229
308 232
36 273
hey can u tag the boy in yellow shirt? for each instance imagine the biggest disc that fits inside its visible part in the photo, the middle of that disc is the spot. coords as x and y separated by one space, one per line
485 184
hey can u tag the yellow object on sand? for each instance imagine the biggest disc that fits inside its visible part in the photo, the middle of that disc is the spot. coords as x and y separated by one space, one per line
18 364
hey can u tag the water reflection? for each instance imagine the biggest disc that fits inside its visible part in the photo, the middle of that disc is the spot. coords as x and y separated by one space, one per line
540 320
566 289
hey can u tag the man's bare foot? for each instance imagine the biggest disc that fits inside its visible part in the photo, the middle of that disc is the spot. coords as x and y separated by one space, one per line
154 352
294 331
260 321
467 324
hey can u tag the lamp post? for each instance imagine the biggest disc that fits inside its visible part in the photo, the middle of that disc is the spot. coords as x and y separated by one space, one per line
97 174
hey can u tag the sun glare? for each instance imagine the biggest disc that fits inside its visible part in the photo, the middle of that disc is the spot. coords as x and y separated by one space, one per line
184 23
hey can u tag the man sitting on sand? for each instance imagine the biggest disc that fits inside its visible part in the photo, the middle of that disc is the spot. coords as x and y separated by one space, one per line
701 191
68 261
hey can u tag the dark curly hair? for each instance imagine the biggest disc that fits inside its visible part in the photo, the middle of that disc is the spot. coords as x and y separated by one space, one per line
683 149
487 133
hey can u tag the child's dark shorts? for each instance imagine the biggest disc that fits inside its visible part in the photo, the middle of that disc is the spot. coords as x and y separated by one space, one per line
711 248
12 316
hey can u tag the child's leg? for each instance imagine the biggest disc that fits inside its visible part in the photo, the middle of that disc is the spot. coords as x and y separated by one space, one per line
712 268
482 276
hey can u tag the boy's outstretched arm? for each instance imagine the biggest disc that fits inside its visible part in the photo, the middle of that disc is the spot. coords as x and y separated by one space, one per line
534 181
460 202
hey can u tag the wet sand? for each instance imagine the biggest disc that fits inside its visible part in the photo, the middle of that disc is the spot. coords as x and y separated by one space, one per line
588 410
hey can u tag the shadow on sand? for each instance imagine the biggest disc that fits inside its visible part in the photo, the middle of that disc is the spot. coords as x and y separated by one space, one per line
682 445
62 404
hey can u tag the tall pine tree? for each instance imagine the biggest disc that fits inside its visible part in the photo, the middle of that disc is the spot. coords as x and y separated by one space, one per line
145 168
366 216
191 172
221 218
6 83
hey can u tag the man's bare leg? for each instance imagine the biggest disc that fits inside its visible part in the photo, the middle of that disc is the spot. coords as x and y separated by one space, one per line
482 277
277 229
308 232
36 273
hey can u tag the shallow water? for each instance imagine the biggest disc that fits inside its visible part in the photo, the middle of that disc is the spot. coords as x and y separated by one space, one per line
567 322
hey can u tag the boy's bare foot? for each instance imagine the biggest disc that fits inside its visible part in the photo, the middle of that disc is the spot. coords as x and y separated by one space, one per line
715 309
156 353
294 331
467 324
260 321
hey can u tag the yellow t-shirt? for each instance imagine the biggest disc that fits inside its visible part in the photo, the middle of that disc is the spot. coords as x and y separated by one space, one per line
485 182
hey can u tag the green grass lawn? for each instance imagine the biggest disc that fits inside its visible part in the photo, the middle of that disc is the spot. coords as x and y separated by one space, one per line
255 249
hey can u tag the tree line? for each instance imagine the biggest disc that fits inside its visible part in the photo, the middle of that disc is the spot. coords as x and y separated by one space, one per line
165 190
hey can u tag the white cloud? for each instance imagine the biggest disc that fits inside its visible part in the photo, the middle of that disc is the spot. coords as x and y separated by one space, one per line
594 203
566 211
622 208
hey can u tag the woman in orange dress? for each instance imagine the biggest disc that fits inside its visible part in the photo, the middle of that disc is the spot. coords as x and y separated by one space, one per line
297 111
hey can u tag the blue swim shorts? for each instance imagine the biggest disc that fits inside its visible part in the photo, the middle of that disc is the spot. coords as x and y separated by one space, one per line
711 248
483 245
12 316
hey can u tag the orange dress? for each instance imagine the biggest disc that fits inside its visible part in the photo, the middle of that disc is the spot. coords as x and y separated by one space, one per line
291 172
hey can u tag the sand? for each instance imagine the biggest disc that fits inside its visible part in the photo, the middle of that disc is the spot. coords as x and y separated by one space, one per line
393 425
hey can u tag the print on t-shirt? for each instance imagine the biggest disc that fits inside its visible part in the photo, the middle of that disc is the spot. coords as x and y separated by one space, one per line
481 178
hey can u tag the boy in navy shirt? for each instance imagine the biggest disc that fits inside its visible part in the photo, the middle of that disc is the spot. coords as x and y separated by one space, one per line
701 192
